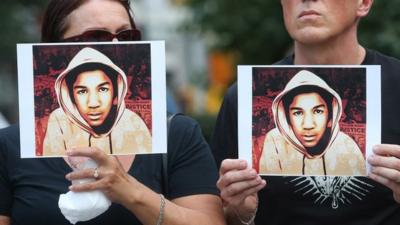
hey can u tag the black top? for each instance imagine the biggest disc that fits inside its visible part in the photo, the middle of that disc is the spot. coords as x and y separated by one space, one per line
324 200
30 188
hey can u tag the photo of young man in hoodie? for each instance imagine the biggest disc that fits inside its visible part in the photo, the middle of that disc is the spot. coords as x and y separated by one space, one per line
307 139
92 112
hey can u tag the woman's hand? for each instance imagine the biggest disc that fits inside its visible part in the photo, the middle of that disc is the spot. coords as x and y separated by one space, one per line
239 186
110 176
122 188
385 167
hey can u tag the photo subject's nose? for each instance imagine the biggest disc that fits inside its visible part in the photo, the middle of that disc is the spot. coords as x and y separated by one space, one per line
308 121
93 101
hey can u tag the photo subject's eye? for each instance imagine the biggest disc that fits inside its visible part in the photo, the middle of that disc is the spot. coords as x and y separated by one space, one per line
297 113
319 111
104 89
81 91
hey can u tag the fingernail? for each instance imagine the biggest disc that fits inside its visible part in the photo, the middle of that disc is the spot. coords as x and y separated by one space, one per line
243 163
68 176
253 173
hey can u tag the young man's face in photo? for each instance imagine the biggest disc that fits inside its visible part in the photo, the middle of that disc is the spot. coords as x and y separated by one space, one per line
308 116
93 94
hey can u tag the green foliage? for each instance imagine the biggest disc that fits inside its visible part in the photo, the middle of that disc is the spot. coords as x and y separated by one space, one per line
254 29
380 30
19 24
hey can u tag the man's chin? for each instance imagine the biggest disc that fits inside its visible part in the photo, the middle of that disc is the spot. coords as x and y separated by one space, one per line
310 36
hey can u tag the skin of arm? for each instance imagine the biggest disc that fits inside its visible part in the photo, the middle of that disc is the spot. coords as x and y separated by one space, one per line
143 202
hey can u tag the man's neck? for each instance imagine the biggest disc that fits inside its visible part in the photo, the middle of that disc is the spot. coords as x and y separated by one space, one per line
341 51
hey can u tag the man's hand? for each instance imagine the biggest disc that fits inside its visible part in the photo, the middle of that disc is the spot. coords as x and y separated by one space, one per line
239 186
385 167
5 220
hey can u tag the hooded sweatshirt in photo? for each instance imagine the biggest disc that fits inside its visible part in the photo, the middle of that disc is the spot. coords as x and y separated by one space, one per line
284 154
126 133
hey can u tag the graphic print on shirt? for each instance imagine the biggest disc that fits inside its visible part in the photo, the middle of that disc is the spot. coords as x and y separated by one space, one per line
338 190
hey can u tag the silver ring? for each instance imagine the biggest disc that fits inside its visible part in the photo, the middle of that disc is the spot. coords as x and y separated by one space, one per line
96 173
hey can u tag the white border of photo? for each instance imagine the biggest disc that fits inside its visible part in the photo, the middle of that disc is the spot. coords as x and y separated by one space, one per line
26 94
245 77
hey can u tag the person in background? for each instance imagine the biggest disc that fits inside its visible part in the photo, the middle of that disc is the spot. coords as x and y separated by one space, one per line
324 33
135 184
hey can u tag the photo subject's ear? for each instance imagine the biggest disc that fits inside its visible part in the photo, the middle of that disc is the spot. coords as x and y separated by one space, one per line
115 101
329 123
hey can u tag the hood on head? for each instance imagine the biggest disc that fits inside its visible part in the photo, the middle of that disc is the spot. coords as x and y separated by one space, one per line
301 79
85 57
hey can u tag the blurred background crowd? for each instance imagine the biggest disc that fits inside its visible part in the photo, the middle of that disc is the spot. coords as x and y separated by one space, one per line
205 41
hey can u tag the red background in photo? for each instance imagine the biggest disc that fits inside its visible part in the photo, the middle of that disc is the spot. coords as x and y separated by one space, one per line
50 60
349 83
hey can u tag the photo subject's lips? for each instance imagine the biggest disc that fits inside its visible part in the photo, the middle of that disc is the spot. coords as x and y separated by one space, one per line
94 116
309 138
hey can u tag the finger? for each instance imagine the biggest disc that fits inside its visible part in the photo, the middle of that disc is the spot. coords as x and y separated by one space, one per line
390 174
232 164
89 186
253 190
92 152
236 176
383 180
76 162
239 187
239 198
387 149
83 174
385 161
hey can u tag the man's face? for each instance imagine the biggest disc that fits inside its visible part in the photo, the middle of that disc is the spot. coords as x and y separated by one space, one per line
308 116
93 94
316 21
